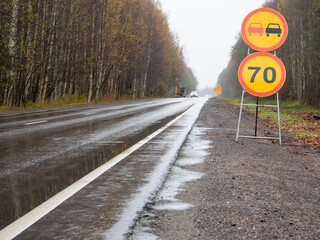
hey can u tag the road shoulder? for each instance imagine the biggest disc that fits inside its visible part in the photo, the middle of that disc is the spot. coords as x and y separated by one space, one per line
251 189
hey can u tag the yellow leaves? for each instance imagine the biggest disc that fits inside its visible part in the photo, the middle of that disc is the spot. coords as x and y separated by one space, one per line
301 125
304 128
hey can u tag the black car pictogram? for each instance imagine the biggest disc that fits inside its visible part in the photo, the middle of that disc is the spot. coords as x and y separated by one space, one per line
273 28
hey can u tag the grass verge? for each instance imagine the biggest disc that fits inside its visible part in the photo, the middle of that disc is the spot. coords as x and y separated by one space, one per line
297 119
67 101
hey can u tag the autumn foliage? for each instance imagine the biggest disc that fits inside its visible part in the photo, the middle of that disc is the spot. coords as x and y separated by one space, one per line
300 53
94 49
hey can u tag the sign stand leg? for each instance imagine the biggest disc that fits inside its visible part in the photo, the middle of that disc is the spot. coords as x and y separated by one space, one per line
238 129
279 123
257 105
257 109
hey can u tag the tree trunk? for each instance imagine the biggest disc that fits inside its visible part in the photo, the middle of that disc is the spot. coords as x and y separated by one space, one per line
12 45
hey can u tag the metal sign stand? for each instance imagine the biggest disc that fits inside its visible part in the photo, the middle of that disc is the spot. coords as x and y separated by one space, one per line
257 105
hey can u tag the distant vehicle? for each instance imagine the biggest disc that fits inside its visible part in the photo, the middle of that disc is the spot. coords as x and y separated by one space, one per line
183 92
273 28
180 91
255 28
193 94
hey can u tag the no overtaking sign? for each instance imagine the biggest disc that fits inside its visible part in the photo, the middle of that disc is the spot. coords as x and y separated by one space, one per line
264 29
262 74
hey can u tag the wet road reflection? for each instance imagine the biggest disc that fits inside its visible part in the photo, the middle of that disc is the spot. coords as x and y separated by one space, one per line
37 161
193 152
108 207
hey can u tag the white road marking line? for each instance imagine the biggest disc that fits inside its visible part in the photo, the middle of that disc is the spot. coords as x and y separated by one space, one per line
32 123
89 113
21 224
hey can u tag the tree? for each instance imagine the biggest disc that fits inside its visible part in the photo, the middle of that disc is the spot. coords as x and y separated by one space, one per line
300 53
86 48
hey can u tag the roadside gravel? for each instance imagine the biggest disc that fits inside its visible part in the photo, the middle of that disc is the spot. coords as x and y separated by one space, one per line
250 189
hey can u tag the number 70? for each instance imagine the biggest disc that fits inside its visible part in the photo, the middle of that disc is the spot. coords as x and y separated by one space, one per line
265 74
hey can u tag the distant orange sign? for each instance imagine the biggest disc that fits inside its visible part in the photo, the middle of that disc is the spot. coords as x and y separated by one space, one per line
218 89
264 29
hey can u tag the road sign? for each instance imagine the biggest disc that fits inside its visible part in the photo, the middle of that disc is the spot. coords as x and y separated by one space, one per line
264 29
262 74
217 90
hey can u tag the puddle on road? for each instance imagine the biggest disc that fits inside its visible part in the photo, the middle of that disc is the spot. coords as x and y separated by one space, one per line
31 187
193 153
167 198
90 206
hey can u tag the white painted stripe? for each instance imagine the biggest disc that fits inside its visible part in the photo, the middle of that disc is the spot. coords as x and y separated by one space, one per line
89 113
32 123
15 228
40 111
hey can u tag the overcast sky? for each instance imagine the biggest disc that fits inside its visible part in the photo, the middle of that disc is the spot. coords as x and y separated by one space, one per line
207 29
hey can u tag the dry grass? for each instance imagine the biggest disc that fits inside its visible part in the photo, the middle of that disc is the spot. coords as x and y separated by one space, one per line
67 101
296 119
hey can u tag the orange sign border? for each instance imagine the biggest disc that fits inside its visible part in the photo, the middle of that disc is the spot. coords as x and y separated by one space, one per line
284 35
264 94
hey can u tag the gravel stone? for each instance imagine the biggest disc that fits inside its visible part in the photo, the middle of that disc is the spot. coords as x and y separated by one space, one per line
252 189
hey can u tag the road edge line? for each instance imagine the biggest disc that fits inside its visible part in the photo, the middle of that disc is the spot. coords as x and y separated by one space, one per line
27 220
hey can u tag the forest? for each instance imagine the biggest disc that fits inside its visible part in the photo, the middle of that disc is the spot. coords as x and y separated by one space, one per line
89 49
300 53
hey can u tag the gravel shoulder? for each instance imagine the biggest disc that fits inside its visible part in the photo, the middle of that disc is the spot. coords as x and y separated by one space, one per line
251 189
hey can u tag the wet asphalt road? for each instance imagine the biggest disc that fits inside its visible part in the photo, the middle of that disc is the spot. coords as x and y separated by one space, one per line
44 152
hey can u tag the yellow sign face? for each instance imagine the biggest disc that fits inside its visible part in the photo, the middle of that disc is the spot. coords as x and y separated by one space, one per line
218 89
264 29
262 74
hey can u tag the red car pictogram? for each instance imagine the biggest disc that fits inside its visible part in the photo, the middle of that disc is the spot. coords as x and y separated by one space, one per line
255 28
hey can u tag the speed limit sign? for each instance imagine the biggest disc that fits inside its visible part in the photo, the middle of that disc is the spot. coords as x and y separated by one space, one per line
262 74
